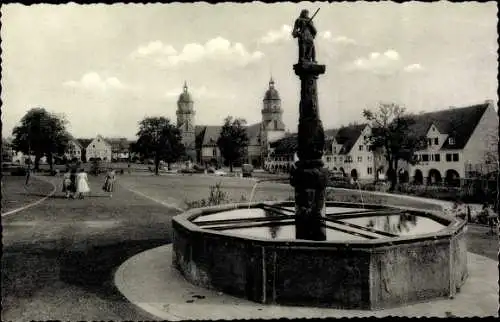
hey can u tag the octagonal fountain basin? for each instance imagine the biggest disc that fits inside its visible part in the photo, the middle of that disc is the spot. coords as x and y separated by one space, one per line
374 257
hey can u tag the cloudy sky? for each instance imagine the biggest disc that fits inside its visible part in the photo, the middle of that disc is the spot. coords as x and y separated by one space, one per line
106 67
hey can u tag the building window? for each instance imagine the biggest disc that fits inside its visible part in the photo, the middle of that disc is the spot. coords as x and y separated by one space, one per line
437 157
360 159
341 158
334 159
451 141
436 141
369 158
369 170
425 157
93 146
448 157
455 157
429 142
328 159
334 149
361 148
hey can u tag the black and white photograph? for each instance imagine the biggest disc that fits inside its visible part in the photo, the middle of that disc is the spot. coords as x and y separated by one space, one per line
249 160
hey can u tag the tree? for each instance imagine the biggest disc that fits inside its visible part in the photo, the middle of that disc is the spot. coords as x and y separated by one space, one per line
159 139
391 133
41 133
233 140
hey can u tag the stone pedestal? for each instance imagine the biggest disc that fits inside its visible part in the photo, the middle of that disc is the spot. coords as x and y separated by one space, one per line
309 177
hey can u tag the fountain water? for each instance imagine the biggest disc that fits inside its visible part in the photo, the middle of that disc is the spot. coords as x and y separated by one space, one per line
252 193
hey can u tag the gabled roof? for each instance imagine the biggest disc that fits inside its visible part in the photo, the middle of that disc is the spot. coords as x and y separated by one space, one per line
458 123
84 142
211 135
253 133
348 135
77 143
286 145
207 135
331 133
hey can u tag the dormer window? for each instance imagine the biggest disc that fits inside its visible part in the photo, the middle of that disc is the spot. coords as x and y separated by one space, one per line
451 141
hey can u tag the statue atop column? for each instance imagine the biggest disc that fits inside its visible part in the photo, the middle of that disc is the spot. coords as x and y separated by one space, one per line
309 176
304 30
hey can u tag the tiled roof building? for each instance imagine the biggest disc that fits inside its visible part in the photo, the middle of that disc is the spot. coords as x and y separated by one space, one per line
201 140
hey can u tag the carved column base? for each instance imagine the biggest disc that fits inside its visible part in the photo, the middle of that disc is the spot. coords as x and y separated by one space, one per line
310 180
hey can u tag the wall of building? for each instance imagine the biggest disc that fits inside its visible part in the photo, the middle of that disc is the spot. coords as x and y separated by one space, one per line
483 143
99 148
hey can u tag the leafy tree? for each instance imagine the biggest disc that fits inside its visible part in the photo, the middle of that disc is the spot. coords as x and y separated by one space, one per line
41 133
159 139
392 134
233 140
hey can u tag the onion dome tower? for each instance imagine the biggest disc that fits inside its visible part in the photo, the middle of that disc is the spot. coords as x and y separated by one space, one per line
185 120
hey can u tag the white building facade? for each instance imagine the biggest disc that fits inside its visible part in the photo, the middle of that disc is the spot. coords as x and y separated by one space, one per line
99 149
459 140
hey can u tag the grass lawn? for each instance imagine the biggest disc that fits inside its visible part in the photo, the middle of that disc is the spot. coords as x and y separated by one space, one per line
16 194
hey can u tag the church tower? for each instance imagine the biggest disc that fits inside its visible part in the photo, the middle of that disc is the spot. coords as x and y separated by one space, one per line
272 126
185 121
271 111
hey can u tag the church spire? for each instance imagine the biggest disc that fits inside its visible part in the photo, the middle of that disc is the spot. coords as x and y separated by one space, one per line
271 82
185 87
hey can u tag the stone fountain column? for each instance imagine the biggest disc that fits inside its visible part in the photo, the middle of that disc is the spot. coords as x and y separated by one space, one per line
309 177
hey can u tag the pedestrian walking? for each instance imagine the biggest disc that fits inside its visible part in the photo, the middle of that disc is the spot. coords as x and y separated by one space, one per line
82 184
72 186
109 182
66 184
28 173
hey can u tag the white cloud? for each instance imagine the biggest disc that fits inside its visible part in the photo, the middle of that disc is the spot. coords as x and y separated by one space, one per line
216 49
376 62
282 34
154 48
93 81
200 93
342 40
413 68
325 34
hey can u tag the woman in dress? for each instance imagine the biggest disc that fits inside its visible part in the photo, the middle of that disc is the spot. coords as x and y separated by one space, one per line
66 183
82 184
109 183
72 185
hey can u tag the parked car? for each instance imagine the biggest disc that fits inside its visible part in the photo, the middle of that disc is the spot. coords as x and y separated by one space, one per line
220 173
247 170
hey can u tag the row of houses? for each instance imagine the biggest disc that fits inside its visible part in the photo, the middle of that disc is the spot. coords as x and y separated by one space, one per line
461 142
99 148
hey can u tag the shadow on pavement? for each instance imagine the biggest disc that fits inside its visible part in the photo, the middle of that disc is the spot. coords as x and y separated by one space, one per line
28 269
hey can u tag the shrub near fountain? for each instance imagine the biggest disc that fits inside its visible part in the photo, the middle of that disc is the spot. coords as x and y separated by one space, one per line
365 263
